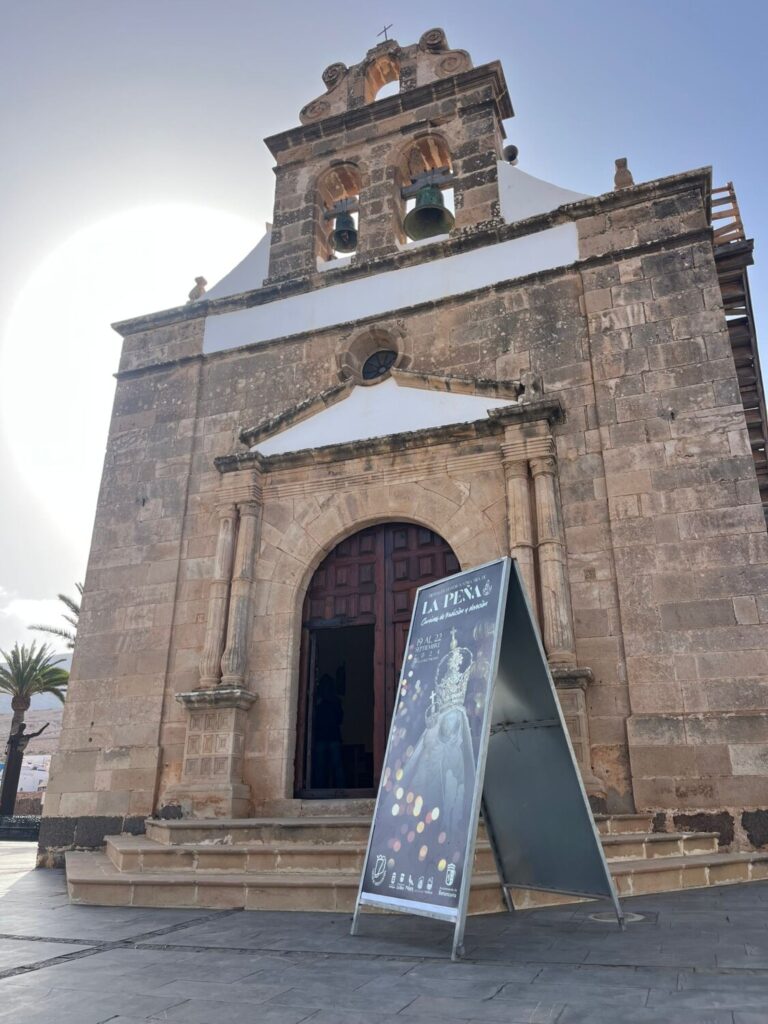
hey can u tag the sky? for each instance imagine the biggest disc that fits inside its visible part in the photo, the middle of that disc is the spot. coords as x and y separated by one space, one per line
133 161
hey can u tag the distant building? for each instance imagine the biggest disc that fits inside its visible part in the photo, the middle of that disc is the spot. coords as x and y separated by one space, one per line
376 397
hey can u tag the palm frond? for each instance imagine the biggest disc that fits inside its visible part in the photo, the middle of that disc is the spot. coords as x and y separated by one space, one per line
58 691
70 602
73 607
66 634
26 671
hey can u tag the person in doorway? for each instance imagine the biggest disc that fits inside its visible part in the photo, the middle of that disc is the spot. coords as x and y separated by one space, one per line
326 729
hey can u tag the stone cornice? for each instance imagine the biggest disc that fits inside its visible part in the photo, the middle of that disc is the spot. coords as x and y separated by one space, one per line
371 113
477 237
548 409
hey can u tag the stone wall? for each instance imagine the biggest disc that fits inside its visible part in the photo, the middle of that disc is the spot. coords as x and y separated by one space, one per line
666 546
685 521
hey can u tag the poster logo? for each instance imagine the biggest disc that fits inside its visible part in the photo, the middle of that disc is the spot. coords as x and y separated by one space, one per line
379 869
450 874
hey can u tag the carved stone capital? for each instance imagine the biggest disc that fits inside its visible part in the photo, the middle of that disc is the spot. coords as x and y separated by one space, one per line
522 449
543 465
249 508
246 488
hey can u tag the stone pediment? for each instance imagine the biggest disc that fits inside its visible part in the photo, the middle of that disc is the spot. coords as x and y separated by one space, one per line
405 402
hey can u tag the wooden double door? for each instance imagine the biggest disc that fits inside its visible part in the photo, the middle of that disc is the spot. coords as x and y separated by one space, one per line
354 631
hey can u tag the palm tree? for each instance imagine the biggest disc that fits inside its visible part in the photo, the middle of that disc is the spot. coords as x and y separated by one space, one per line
26 671
72 605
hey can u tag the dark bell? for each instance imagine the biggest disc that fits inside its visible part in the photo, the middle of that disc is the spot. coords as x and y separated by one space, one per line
429 216
344 236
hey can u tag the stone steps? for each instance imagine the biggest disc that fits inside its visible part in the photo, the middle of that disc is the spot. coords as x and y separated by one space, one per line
614 824
249 830
314 862
324 828
92 878
138 853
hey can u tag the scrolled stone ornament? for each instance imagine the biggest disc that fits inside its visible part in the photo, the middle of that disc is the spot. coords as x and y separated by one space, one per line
434 39
314 111
333 74
452 64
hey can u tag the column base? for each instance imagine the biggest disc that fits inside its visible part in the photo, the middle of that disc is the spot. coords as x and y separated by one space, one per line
571 684
207 800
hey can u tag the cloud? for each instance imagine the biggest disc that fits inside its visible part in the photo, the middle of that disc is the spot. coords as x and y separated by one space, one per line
17 613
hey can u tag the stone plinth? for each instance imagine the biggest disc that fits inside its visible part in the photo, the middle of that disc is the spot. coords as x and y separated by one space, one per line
212 774
571 684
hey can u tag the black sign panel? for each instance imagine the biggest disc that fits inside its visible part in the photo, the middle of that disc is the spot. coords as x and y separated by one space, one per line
424 826
536 810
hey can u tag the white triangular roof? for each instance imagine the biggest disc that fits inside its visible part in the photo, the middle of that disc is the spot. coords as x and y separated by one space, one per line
248 274
522 195
377 411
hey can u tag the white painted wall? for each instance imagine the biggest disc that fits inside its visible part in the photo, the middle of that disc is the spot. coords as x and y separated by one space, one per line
377 411
381 293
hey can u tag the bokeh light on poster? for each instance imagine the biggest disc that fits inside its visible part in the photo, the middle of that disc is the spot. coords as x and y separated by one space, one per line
424 826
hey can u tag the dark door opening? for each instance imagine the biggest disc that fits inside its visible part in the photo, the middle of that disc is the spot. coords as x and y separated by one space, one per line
341 702
355 624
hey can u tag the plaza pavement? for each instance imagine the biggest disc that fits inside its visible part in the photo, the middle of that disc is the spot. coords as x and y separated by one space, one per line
699 957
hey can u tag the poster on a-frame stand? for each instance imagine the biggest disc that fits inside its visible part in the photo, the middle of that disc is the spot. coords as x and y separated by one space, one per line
477 722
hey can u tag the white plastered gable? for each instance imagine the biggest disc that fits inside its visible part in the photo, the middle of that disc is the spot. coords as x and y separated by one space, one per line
395 406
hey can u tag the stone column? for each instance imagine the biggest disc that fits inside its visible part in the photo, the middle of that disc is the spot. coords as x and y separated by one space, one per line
218 598
211 783
556 617
520 518
233 662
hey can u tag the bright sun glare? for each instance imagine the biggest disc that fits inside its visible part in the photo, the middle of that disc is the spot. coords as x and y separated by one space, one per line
59 352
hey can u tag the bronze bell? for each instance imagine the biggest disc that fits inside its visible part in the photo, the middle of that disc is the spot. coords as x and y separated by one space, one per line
429 216
344 235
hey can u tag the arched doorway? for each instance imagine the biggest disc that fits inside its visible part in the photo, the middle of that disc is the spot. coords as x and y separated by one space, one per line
354 630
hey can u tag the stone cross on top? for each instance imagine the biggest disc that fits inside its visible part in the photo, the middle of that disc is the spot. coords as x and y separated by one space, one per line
384 33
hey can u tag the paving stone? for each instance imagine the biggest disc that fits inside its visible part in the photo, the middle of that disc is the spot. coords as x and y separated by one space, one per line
595 993
530 1010
284 968
331 996
202 1011
15 954
604 1015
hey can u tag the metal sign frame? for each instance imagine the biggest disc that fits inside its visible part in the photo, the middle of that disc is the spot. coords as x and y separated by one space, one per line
502 828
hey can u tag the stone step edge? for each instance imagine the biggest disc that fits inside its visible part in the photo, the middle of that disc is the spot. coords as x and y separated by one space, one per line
112 875
142 844
103 872
319 819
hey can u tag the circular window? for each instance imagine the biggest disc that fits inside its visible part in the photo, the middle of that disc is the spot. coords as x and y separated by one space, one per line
378 364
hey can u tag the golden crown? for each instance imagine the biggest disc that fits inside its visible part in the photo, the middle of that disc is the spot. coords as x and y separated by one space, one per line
452 679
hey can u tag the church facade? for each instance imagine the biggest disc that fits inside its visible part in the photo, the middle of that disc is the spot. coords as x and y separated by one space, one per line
432 360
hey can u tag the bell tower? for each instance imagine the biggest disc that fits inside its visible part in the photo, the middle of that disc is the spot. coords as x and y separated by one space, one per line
363 179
